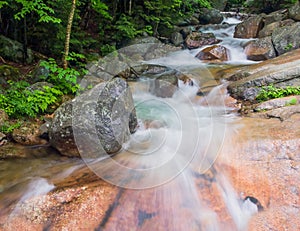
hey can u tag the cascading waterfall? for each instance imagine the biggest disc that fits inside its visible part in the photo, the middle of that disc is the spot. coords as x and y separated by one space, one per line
178 141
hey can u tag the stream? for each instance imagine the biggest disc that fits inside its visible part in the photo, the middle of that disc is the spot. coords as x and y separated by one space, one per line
177 143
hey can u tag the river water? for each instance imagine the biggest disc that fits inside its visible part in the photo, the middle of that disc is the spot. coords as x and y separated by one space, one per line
178 139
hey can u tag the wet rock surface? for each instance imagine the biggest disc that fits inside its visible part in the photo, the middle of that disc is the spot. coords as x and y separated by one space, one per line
105 113
249 28
198 39
263 162
280 71
216 53
261 49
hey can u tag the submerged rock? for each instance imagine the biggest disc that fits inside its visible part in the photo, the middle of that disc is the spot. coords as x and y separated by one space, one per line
165 84
104 116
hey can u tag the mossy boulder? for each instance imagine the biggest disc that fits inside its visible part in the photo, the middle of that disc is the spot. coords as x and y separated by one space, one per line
13 51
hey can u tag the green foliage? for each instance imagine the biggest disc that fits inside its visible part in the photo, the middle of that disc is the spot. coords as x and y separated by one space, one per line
101 8
271 92
3 3
106 49
44 12
64 80
9 127
126 27
288 47
19 100
292 101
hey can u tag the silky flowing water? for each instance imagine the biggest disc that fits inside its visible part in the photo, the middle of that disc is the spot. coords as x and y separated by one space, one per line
178 140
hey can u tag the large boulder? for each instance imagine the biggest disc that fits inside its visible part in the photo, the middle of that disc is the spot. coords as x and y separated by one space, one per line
198 39
260 49
286 38
210 16
276 16
8 72
281 71
249 28
294 12
102 117
216 53
138 51
268 29
14 51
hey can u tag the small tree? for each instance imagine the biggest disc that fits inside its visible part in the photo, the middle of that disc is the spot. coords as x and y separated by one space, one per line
68 35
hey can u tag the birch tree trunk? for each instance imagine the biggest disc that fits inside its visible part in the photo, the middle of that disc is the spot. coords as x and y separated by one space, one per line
68 35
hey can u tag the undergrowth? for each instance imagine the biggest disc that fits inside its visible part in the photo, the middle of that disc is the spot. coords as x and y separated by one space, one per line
271 92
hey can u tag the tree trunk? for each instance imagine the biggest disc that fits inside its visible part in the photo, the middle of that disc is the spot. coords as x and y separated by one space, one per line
25 42
130 7
68 35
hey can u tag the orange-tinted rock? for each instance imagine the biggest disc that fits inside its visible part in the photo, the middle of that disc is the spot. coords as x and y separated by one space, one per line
214 53
261 49
263 161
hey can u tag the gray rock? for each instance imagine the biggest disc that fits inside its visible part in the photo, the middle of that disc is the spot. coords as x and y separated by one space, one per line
268 29
210 16
261 49
100 119
294 12
277 103
249 28
118 61
8 72
276 16
165 84
286 38
13 50
283 113
40 86
198 39
177 38
281 71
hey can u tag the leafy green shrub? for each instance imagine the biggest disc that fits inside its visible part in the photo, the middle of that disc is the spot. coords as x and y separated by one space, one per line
19 101
271 92
64 80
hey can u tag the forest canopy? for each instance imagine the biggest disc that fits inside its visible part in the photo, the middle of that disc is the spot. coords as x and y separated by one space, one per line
100 25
